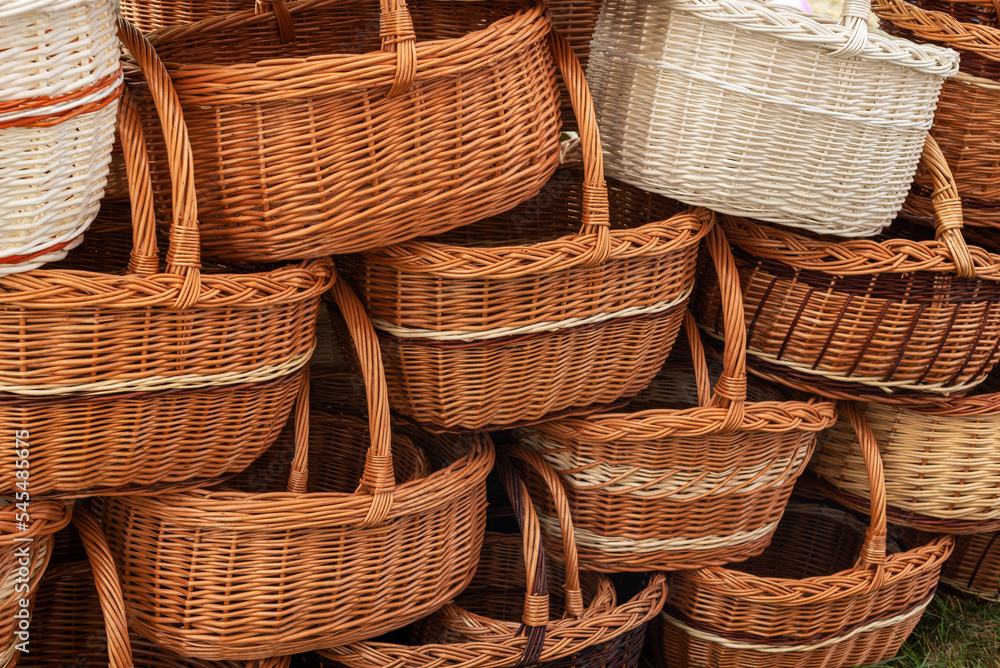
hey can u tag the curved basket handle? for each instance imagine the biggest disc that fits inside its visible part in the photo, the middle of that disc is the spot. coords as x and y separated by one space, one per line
730 390
872 555
596 209
574 597
854 17
378 477
109 589
144 259
286 31
184 254
702 379
535 618
948 219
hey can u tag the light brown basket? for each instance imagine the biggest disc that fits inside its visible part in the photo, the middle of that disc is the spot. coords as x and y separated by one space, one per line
555 307
80 622
893 320
687 477
509 617
336 126
974 566
789 609
119 373
308 568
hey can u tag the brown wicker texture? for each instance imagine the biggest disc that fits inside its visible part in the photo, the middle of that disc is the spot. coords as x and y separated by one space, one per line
512 615
942 464
973 567
810 600
120 372
336 126
893 320
24 555
546 310
687 477
259 574
77 622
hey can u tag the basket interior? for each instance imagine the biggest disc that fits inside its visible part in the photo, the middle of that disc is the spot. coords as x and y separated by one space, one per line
334 27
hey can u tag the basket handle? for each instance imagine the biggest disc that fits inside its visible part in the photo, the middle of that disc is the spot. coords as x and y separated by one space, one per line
286 31
574 597
377 478
872 555
109 589
596 216
854 17
948 219
535 618
184 253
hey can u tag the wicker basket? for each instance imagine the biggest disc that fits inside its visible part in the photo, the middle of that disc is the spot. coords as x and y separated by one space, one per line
787 609
119 375
59 91
942 463
78 622
519 318
684 479
763 111
316 566
509 617
974 566
24 555
316 131
891 320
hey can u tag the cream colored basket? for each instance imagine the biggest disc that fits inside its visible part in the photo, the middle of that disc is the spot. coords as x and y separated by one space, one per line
764 111
59 86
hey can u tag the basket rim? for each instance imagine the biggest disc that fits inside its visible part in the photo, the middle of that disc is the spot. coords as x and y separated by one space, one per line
941 26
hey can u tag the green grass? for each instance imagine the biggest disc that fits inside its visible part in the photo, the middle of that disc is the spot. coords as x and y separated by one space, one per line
955 632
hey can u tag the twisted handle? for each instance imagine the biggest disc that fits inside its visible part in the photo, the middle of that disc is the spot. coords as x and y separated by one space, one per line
948 219
872 555
286 31
854 17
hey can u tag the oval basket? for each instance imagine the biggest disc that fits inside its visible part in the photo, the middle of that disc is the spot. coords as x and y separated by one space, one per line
686 477
895 320
572 300
337 126
791 607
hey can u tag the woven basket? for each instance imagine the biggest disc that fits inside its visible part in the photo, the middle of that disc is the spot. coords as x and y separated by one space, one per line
79 623
942 463
316 131
547 310
788 608
326 563
687 477
119 375
974 566
891 320
763 111
20 573
511 616
58 95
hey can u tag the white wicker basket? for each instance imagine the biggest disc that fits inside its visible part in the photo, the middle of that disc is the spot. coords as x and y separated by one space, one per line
60 80
764 111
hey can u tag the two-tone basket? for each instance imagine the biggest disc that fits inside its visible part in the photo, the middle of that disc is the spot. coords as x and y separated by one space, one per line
336 126
573 299
686 476
904 318
760 110
119 370
59 92
825 593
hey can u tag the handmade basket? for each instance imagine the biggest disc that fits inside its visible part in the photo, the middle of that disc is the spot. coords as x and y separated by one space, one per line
323 564
763 111
973 567
509 617
549 309
942 463
26 538
58 96
80 622
788 608
891 320
687 477
120 375
329 126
